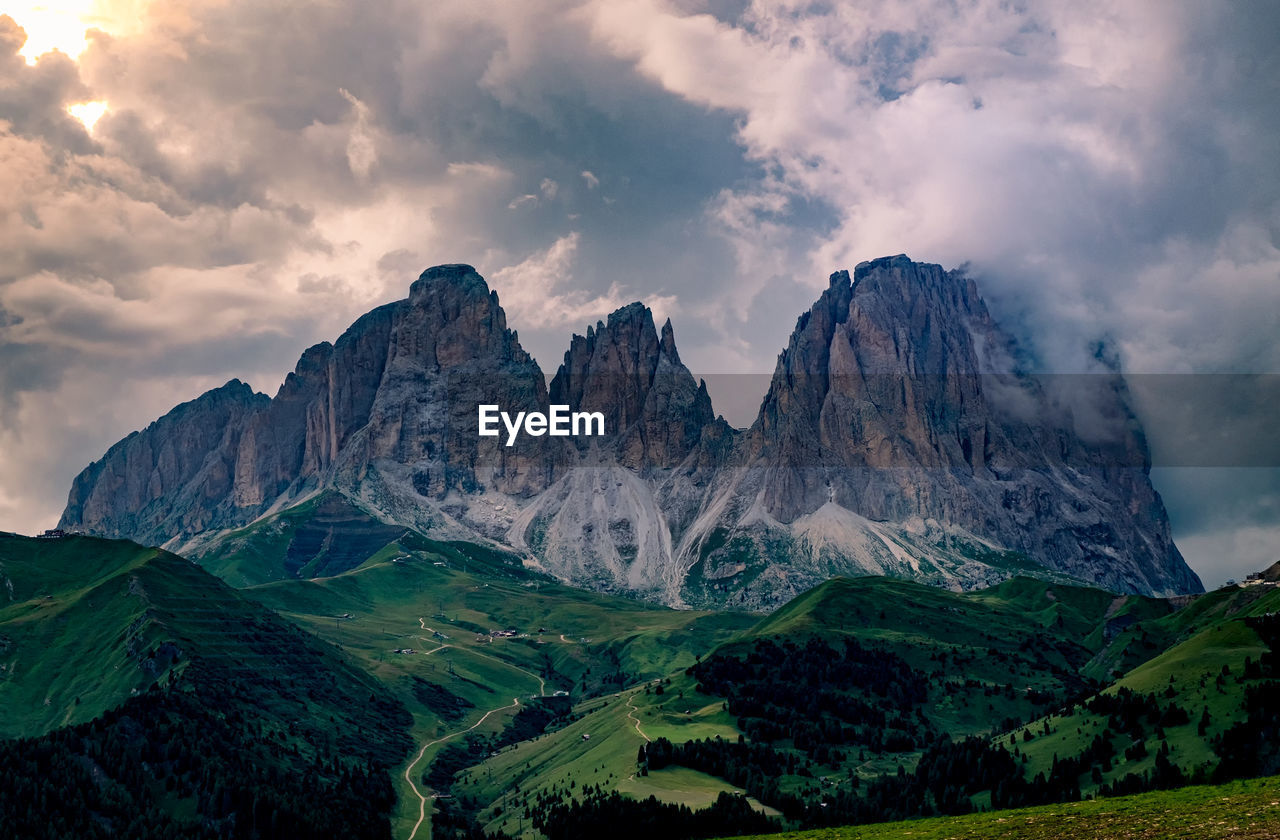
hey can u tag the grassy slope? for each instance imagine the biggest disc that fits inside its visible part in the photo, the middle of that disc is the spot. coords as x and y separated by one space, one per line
995 638
93 622
400 598
1024 629
325 535
1176 654
985 638
72 627
1186 674
617 725
1248 810
97 620
683 787
1143 633
434 598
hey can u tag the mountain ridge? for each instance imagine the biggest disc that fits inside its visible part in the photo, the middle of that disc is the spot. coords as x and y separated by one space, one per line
886 444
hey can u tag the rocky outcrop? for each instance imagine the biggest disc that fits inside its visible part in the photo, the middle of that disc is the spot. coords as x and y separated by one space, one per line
174 477
900 435
387 414
654 409
607 522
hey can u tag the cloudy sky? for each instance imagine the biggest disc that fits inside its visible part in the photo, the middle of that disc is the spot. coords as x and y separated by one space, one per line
260 173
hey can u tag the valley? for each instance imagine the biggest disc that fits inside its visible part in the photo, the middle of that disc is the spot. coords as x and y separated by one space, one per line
522 696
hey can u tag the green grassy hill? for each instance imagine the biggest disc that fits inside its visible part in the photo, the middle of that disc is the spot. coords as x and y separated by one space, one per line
978 660
193 711
441 601
79 632
392 668
817 686
1205 676
1002 653
1247 810
325 535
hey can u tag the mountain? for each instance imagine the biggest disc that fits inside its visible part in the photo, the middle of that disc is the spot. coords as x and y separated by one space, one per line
608 522
899 436
387 414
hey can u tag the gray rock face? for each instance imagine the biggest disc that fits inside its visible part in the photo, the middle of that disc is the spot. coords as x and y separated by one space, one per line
897 437
175 476
386 415
653 407
607 522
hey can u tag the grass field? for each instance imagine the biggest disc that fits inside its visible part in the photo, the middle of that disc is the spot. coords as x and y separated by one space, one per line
1022 633
94 625
1248 810
441 603
87 620
615 727
683 786
1187 674
72 628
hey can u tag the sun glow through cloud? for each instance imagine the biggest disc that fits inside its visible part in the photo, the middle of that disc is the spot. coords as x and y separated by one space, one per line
54 26
88 112
64 26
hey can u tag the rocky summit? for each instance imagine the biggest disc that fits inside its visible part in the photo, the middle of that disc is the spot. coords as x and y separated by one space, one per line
900 435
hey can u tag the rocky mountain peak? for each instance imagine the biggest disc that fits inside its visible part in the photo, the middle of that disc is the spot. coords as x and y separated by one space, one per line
456 278
883 408
890 441
160 479
667 344
653 407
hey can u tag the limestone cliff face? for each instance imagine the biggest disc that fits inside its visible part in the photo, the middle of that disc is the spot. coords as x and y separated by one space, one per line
175 476
898 436
386 414
607 522
654 409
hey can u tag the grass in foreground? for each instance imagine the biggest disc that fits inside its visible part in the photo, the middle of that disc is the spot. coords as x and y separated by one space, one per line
1239 810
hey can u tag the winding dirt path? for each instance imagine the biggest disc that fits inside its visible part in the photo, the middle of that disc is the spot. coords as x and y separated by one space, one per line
408 771
515 702
632 714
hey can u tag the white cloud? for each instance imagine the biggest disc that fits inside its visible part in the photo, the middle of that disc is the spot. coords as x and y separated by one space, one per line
362 153
540 291
1042 143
